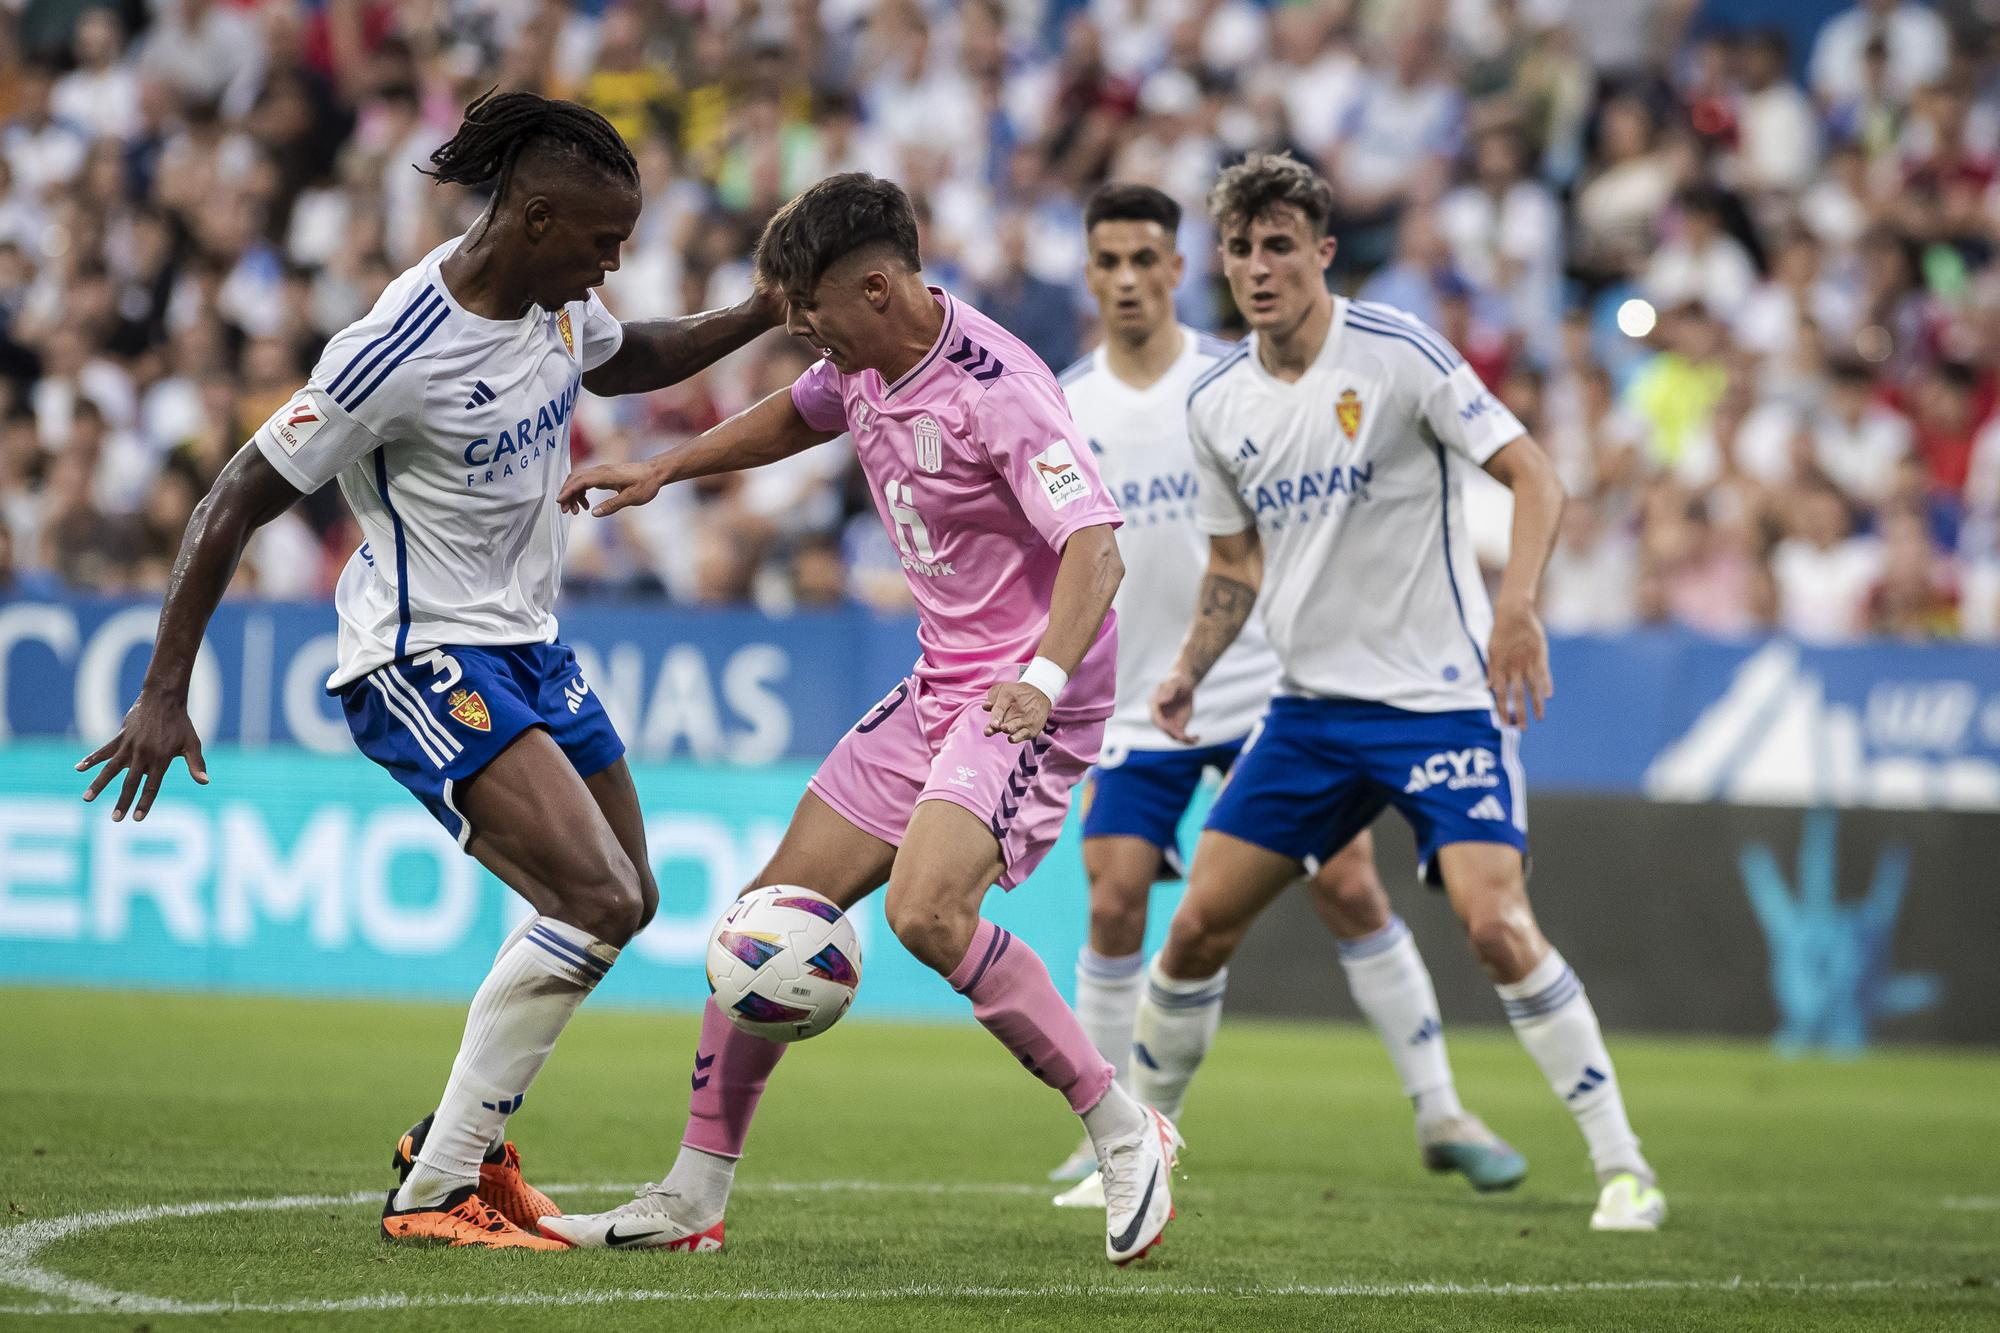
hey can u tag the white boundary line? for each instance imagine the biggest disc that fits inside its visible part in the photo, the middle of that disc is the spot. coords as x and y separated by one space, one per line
22 1243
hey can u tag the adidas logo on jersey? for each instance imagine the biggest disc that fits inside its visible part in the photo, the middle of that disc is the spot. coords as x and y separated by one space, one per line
1488 807
481 395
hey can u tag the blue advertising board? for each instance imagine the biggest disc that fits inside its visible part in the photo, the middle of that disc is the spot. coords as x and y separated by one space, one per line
312 874
1661 714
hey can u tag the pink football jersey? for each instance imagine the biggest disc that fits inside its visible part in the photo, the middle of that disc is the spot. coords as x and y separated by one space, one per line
980 477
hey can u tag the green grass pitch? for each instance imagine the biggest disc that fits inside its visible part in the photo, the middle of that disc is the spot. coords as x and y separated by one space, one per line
895 1181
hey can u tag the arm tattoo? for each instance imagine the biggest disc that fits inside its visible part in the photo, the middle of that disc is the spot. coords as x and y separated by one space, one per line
1219 617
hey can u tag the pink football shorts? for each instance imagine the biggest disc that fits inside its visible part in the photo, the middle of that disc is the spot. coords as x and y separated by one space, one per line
918 745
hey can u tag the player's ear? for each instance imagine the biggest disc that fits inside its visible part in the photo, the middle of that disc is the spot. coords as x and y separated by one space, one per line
537 216
1327 245
875 289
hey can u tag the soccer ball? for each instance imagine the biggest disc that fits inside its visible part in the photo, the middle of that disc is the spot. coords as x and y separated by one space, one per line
783 963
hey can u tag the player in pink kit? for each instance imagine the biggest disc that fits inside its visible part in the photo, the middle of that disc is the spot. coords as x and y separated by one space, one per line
959 779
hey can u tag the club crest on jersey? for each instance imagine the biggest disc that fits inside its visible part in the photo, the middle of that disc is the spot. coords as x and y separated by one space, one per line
1347 409
568 337
1055 468
470 709
297 421
930 445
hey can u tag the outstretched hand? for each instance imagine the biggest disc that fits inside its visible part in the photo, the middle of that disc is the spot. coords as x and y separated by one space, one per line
156 732
1019 709
629 483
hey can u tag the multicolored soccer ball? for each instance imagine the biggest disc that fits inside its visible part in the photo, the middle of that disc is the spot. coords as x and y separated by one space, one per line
783 963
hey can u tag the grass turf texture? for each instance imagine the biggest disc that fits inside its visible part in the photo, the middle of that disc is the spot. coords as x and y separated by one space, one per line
1807 1180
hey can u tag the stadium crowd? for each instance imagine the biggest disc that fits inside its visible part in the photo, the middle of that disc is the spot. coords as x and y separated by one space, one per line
1747 295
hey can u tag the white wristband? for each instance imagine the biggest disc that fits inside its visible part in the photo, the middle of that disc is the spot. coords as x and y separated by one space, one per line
1045 676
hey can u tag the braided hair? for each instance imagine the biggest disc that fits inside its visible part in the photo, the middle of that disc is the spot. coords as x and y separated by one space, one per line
499 125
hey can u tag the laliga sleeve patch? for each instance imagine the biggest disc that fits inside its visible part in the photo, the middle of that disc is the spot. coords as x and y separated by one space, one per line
1055 468
298 420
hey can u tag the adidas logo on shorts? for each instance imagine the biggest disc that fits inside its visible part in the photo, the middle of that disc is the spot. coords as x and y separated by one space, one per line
1488 807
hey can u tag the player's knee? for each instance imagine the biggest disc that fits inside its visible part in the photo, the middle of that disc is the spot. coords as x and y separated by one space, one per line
1351 899
1198 944
1503 936
1117 917
928 925
649 897
607 898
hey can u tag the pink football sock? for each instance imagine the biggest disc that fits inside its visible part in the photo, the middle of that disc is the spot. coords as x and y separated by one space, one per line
730 1067
1012 995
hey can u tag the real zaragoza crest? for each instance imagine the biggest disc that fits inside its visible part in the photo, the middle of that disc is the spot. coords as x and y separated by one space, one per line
469 708
1347 409
562 327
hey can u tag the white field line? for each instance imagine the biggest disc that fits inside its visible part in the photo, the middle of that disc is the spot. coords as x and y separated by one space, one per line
1974 1203
22 1243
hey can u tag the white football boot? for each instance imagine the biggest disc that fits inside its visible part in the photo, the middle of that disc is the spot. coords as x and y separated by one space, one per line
1629 1203
656 1219
1138 1180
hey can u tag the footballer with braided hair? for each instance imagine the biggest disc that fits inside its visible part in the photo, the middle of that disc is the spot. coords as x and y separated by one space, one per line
444 414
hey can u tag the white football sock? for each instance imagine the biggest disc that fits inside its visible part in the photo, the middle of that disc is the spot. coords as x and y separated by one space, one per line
704 1180
1176 1025
1554 1020
1116 1116
1393 988
537 982
1107 1004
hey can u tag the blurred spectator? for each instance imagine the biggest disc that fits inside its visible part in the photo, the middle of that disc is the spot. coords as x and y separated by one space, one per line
1505 230
1039 313
1825 573
1395 143
1701 263
101 95
1912 38
1733 311
1913 598
1778 135
1625 190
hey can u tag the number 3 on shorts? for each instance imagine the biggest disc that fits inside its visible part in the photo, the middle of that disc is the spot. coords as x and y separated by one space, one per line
444 666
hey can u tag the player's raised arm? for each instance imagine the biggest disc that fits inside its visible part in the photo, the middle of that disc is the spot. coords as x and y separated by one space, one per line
1086 582
1517 658
249 493
655 353
1228 595
760 434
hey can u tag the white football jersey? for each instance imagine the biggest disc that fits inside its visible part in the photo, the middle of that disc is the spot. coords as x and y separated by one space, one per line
449 434
1141 442
1352 476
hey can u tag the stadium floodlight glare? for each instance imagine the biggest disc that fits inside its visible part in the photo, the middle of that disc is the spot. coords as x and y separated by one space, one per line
1637 317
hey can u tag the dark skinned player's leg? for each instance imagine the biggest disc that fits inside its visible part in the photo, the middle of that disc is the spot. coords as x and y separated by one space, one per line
618 801
537 826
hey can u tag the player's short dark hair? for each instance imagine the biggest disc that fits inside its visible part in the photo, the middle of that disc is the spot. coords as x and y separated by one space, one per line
1262 183
831 220
1132 203
499 125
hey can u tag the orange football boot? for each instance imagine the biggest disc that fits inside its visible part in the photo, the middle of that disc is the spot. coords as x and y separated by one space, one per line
500 1182
463 1220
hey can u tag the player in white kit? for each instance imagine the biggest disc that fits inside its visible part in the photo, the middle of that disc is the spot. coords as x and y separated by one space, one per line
444 414
1330 448
1129 398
